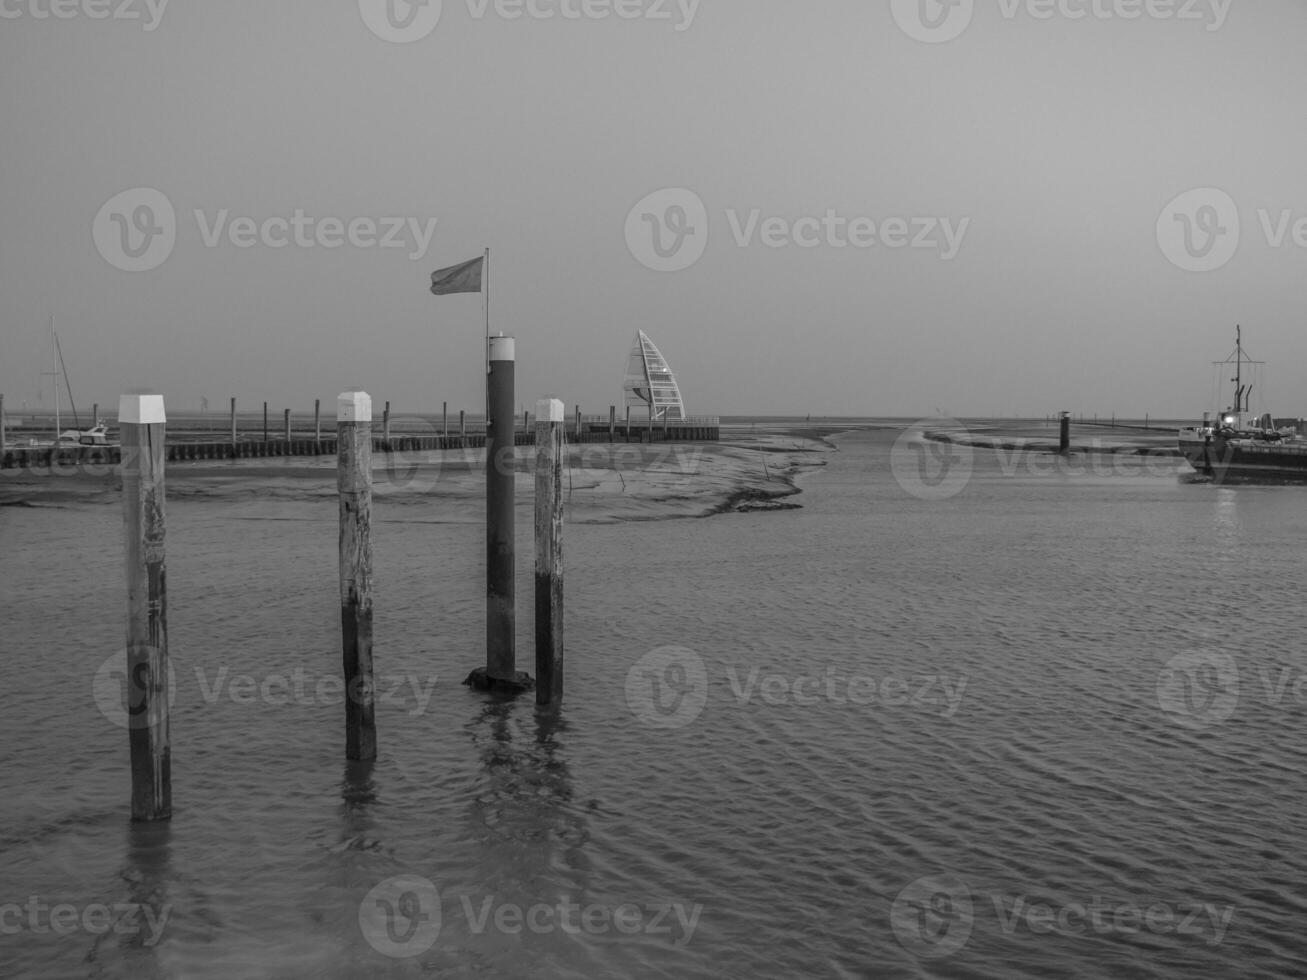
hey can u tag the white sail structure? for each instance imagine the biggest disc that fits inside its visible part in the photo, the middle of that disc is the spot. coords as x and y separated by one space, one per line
650 383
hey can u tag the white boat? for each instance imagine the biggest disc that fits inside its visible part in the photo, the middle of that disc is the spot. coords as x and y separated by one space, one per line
96 435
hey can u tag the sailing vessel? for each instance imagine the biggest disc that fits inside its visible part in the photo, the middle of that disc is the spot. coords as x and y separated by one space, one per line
97 434
650 383
1241 445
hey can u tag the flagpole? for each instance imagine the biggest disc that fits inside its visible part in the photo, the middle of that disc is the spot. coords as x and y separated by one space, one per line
485 289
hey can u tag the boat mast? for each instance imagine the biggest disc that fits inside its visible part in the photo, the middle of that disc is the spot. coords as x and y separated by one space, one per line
72 402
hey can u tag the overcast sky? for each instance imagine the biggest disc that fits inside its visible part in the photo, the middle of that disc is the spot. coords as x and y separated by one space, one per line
907 207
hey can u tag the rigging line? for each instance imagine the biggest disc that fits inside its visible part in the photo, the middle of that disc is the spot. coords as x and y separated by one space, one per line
67 384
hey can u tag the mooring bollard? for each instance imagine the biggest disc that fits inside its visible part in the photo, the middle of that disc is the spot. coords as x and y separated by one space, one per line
501 671
141 422
354 482
1064 438
549 551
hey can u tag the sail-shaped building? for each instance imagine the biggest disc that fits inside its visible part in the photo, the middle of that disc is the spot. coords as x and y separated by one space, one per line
650 384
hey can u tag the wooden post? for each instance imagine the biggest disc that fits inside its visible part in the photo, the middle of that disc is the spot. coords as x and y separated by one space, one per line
444 420
2 423
526 420
317 420
141 421
576 434
286 448
612 423
1064 438
233 421
95 416
651 417
501 659
549 551
385 427
462 424
265 421
354 483
628 423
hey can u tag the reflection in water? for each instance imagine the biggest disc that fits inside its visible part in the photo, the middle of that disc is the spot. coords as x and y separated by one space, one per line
140 919
358 794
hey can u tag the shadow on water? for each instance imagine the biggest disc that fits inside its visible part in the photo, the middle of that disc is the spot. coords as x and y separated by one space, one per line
358 795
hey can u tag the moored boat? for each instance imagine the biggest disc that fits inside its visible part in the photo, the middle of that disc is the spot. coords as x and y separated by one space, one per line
1241 445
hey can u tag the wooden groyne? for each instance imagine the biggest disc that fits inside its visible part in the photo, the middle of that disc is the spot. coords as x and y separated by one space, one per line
46 457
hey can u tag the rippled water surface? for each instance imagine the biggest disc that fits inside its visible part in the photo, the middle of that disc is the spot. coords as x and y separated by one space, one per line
1050 725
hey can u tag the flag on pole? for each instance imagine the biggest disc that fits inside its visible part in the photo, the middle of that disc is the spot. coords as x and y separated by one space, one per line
462 278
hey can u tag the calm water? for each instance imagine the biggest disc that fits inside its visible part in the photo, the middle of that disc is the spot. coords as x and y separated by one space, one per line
1048 726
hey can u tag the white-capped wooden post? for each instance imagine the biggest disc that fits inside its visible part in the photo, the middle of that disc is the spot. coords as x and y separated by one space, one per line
549 551
354 482
141 421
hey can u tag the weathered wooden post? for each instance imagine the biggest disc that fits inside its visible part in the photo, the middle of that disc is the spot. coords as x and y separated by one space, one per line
628 423
385 427
462 426
576 429
265 421
444 420
549 551
141 422
526 420
285 449
612 423
2 423
501 659
354 483
317 420
1064 438
233 421
95 415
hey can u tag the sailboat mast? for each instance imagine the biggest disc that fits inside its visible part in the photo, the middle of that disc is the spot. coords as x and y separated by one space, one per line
63 368
54 358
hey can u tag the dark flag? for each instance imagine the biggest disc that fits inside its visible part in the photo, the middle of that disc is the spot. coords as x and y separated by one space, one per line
463 278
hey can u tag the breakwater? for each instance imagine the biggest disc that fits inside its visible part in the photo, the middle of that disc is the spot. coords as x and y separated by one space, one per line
46 457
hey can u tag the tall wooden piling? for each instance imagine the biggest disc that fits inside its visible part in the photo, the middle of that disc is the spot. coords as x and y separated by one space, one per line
265 421
549 551
141 422
501 659
385 426
317 420
1064 437
233 422
628 423
95 415
526 420
462 424
354 483
286 448
612 422
444 420
2 423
